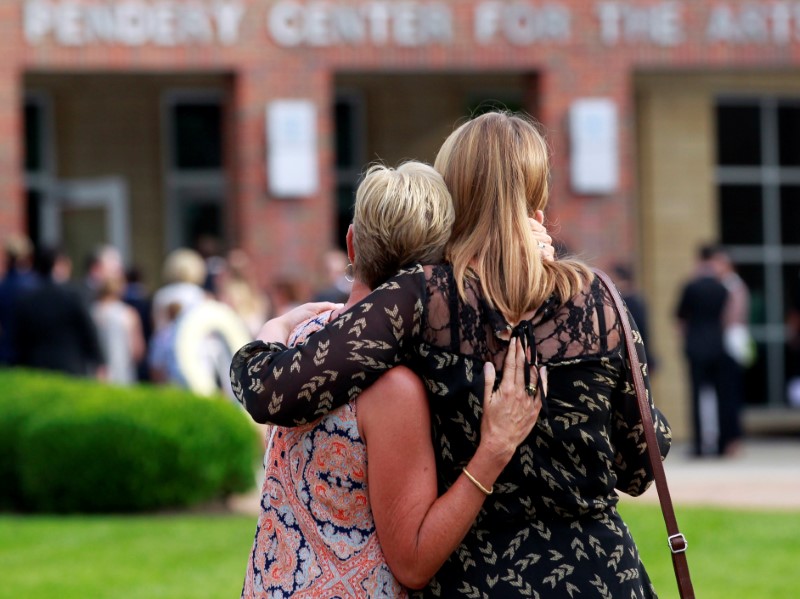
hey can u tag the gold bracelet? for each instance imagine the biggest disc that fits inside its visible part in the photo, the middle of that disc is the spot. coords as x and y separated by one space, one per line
474 480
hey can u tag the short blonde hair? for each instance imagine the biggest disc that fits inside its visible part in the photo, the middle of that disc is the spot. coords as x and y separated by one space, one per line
497 168
18 246
401 216
184 266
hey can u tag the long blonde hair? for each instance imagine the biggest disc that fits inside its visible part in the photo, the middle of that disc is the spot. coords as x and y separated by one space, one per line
497 167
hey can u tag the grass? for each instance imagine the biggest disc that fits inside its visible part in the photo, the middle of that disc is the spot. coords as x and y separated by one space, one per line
732 554
135 557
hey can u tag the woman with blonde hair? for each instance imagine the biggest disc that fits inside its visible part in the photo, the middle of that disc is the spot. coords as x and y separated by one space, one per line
316 535
119 329
237 289
183 272
550 526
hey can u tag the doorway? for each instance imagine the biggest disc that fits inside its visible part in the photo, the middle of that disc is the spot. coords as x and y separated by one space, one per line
718 162
162 135
389 118
82 214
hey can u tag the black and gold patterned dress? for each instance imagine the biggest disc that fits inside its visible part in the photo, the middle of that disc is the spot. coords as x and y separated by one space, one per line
551 528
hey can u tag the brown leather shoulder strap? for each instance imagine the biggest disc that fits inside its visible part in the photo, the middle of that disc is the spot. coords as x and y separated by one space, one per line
676 540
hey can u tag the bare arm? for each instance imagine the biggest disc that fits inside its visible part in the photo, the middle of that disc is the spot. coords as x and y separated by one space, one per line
135 334
418 530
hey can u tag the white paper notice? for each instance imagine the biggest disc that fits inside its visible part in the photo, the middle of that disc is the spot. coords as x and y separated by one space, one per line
292 157
594 146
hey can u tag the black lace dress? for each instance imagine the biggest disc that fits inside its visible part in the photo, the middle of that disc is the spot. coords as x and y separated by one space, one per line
551 528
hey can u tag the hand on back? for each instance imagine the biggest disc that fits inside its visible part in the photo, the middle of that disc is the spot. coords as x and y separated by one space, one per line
510 412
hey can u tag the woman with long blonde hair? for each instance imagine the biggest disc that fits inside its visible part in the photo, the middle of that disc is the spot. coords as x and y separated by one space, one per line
549 526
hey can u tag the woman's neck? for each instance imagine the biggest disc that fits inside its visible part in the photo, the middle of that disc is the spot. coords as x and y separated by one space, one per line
358 292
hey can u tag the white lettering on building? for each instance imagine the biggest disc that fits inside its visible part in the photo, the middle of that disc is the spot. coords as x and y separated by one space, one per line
323 24
407 23
521 23
133 22
660 24
754 23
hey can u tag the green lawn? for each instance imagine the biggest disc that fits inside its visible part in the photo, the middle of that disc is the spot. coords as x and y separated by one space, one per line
135 557
732 554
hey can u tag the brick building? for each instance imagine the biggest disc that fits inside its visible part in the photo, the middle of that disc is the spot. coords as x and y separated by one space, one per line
150 122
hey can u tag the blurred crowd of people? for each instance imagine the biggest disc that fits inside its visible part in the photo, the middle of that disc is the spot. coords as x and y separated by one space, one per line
107 324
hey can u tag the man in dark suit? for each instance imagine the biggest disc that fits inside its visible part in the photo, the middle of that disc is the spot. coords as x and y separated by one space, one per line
18 279
54 329
700 313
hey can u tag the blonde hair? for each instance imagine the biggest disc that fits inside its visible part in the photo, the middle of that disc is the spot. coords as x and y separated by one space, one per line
496 167
184 266
111 287
401 216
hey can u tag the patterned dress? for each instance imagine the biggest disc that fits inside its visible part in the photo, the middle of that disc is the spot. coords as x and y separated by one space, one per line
551 528
315 536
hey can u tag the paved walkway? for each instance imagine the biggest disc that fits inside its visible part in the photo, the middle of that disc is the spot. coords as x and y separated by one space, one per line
766 474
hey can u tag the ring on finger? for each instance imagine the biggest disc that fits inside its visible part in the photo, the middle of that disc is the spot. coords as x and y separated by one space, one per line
531 390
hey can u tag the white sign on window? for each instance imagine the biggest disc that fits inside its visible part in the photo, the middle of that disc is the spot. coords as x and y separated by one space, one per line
594 146
292 157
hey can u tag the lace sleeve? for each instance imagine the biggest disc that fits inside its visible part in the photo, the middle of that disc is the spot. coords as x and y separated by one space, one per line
292 386
634 473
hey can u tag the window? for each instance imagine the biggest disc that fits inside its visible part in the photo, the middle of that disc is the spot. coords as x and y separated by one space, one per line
34 130
197 131
39 180
758 185
195 176
348 113
739 134
789 134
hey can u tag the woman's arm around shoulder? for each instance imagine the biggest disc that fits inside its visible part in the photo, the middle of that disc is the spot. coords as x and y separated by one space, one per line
291 386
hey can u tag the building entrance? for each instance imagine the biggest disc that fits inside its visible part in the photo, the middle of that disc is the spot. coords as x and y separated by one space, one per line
81 215
135 160
758 198
718 163
396 117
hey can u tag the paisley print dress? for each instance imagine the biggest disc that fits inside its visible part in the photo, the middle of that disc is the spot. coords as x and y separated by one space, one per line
315 535
551 528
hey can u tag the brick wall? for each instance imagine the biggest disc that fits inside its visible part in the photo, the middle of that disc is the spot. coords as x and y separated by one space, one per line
608 45
599 57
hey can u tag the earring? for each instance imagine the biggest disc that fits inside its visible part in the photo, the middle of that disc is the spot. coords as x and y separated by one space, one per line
349 272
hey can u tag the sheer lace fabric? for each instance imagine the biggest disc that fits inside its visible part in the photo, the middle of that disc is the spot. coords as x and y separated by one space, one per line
554 506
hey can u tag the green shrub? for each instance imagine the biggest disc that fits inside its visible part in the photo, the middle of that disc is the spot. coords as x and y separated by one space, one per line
86 447
22 394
